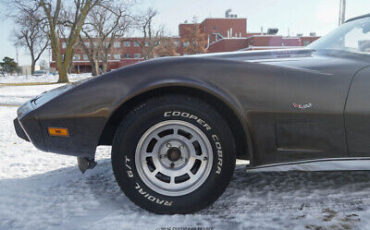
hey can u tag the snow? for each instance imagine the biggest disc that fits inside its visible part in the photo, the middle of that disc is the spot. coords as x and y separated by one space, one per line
41 190
43 78
19 94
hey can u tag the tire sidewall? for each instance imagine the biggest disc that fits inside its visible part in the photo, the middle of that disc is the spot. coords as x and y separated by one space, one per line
207 120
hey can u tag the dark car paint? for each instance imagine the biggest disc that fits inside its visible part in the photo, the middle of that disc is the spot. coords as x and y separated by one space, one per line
357 115
259 87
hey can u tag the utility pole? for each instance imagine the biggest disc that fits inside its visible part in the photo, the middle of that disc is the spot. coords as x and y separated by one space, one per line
342 12
49 51
16 57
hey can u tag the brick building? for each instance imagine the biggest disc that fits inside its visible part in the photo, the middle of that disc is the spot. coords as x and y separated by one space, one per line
230 34
125 51
223 35
219 28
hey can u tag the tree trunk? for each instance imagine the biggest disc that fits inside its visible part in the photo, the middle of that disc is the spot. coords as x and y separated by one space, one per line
95 68
62 69
69 69
33 66
105 66
63 78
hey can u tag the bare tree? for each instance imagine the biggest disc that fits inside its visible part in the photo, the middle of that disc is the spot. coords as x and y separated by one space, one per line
65 20
105 24
30 34
151 36
167 47
195 41
44 65
91 50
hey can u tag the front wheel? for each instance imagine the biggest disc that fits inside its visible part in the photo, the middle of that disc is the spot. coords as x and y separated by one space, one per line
173 154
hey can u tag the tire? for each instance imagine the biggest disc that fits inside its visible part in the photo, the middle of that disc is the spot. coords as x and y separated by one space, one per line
173 172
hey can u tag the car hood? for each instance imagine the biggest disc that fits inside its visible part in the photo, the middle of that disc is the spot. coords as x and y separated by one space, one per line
304 59
260 56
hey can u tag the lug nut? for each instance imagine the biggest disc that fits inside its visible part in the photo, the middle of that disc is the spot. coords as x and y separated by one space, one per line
205 158
172 165
168 145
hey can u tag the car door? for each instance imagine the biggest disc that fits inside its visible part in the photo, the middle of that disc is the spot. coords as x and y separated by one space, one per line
298 114
357 115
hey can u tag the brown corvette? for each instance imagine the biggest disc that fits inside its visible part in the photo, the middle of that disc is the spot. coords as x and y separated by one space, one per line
176 125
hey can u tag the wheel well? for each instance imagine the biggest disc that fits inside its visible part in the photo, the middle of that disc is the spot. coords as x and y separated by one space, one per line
239 135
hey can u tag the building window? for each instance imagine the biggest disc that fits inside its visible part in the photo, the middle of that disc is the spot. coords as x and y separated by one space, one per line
87 44
126 43
106 44
117 56
109 56
137 55
136 44
95 44
126 55
64 45
117 44
85 56
146 44
176 43
186 44
76 57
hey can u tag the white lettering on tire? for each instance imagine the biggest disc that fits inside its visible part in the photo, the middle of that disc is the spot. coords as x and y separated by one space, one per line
128 168
219 153
189 116
151 198
141 190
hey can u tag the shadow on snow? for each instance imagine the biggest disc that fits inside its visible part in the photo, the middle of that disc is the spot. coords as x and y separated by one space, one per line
65 198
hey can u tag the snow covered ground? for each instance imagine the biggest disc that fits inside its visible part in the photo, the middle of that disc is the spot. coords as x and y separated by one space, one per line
43 78
19 94
41 190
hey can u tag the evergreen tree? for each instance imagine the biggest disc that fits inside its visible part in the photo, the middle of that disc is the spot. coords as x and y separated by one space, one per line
8 65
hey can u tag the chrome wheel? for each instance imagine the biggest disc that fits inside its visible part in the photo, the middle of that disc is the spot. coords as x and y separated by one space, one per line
174 158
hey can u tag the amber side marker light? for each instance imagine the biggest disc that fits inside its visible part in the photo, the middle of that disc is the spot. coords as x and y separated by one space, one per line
58 132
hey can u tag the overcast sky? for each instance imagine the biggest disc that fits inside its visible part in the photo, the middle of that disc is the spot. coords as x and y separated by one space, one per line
290 16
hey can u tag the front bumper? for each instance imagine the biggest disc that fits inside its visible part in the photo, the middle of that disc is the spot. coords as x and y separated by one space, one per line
54 109
27 125
19 130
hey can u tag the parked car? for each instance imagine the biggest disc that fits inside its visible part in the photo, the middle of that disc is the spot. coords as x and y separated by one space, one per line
176 125
55 73
39 73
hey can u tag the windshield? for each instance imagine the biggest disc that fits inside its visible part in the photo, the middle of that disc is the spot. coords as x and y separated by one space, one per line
353 36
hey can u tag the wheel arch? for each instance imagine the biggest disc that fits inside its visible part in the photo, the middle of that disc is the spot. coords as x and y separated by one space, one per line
227 106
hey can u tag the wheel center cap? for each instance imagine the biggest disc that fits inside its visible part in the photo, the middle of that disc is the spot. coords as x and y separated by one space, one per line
173 154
